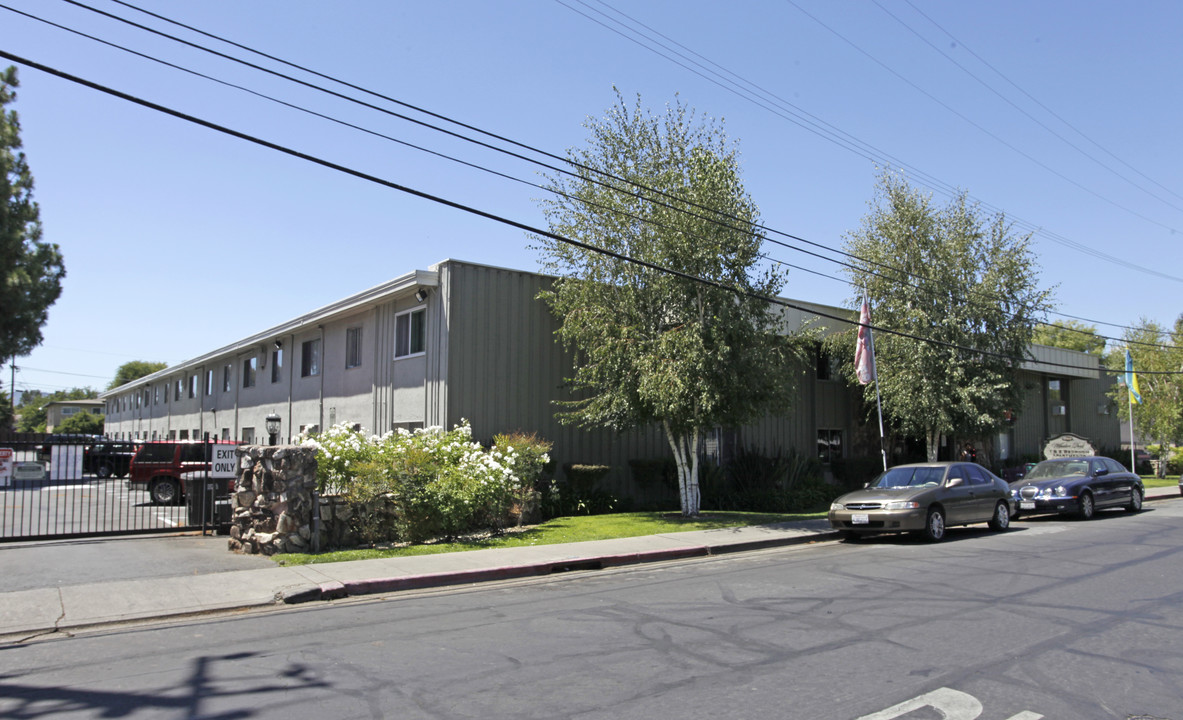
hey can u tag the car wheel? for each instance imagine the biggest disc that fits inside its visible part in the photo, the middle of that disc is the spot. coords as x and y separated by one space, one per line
934 525
165 491
1001 519
1086 507
1135 501
103 471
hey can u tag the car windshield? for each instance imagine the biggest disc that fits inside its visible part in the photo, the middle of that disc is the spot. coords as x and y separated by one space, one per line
1058 468
900 477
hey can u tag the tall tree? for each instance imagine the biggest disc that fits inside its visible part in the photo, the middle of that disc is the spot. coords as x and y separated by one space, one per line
1159 417
960 289
134 370
31 271
651 347
1070 335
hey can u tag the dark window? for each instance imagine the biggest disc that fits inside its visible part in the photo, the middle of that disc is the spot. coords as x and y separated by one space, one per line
409 336
276 364
162 452
977 475
180 387
226 370
193 452
250 366
310 358
209 383
353 347
829 445
192 386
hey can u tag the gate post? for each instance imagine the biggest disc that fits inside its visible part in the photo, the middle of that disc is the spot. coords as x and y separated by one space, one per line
274 500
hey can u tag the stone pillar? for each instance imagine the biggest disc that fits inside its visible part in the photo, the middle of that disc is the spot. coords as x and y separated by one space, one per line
273 503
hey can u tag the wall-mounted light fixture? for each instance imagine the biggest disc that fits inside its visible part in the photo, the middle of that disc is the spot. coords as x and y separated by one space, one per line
278 344
420 294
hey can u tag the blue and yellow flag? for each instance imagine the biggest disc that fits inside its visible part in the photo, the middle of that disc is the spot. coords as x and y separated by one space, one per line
1131 379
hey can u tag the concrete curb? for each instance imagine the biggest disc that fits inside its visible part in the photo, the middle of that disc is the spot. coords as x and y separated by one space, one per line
375 586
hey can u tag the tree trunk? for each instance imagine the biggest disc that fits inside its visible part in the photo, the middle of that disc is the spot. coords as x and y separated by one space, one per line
932 444
685 449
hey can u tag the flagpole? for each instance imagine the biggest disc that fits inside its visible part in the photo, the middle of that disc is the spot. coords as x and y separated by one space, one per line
875 378
1129 398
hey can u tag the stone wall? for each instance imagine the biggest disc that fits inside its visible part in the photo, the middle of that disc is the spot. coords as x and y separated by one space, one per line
275 494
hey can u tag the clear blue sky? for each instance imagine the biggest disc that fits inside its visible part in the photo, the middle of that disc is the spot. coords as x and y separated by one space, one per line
178 240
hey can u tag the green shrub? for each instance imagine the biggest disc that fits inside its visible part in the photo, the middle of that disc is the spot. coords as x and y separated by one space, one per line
755 482
435 483
527 457
579 494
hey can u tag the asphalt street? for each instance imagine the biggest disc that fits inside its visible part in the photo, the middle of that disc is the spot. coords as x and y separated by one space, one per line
1056 618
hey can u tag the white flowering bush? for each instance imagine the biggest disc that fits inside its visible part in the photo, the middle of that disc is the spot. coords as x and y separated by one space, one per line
440 482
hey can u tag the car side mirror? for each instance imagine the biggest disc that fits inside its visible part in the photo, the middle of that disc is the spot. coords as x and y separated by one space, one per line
1102 471
954 482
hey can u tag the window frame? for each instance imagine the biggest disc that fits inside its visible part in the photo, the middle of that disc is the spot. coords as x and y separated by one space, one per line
353 347
250 370
405 335
310 358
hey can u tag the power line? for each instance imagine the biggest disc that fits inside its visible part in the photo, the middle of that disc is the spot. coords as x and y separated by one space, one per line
492 216
870 152
1010 102
713 213
1035 100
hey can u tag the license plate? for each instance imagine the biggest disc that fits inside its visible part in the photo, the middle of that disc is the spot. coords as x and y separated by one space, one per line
860 519
1026 506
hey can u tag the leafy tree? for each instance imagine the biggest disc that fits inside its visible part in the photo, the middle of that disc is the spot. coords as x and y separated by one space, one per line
31 271
1070 335
32 408
134 370
960 289
6 417
1159 416
85 423
650 346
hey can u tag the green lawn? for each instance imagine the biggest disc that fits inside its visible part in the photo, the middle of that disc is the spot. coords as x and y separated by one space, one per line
1153 482
561 530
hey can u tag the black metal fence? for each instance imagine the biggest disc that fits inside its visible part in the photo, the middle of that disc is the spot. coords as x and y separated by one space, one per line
61 486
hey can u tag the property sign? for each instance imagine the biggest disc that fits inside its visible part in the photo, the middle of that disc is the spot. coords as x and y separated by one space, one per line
1067 445
224 463
6 458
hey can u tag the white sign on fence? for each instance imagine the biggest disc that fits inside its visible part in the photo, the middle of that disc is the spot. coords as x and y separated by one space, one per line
6 459
224 463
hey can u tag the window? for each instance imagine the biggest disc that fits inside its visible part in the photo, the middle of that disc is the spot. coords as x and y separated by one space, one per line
156 395
310 358
226 378
96 411
1053 391
408 333
248 436
225 433
209 383
180 387
827 365
184 435
193 386
250 366
276 363
829 445
67 411
353 347
977 475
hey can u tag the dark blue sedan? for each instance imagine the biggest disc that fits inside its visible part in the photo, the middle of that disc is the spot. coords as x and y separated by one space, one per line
1079 486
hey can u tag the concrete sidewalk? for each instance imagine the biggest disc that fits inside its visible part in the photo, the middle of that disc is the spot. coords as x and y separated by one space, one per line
38 611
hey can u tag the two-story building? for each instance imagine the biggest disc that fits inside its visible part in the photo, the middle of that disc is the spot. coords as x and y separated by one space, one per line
468 341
